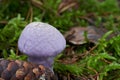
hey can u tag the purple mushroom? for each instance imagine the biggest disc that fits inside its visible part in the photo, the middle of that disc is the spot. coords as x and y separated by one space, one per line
41 42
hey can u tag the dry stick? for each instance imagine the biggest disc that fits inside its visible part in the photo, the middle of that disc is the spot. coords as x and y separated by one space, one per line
37 4
87 52
106 61
17 51
3 22
30 14
92 50
90 68
68 76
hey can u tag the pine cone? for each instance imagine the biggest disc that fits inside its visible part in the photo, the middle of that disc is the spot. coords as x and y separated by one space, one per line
22 70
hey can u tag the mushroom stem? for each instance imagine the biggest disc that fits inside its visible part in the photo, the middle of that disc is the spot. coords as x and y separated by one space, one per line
46 61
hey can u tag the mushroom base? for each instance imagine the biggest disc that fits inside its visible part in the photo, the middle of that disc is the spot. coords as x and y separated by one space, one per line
45 61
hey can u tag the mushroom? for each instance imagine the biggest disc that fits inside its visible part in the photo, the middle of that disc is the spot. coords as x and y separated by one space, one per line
41 42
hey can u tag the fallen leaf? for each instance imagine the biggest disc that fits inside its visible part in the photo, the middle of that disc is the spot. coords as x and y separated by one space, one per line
67 4
76 35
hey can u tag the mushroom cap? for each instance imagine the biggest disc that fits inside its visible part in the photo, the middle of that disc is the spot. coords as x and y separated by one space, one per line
41 40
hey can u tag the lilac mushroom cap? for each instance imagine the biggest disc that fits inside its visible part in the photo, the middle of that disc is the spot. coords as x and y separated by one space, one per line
41 42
